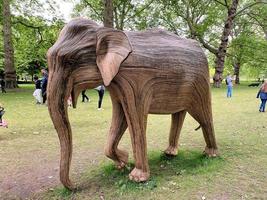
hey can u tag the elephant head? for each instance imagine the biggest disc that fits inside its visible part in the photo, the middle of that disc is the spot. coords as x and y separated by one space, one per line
84 56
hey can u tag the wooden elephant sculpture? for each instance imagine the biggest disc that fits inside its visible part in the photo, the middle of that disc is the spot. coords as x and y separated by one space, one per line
152 71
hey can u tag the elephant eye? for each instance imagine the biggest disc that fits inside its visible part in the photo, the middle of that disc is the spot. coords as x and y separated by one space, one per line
70 62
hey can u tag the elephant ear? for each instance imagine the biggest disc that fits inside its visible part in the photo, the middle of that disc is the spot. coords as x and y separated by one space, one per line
112 48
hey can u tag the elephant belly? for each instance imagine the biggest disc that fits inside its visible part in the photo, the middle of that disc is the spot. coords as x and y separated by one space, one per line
161 91
170 98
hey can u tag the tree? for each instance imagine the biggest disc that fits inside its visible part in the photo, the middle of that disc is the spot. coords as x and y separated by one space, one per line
32 33
258 16
247 49
202 20
1 41
32 38
247 53
246 39
221 53
125 13
108 13
32 68
10 72
233 12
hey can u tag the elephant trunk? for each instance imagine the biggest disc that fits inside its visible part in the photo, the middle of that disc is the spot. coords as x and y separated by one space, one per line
58 92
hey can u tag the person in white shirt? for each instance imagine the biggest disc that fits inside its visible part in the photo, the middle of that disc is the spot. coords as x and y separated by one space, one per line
101 91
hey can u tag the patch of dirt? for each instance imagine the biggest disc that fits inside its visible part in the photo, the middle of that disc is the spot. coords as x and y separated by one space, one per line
23 182
38 172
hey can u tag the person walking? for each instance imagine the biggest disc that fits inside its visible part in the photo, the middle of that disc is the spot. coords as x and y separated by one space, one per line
263 96
101 91
84 96
229 83
44 84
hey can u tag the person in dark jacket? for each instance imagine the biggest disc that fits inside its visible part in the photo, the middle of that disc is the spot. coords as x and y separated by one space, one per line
3 85
44 84
263 96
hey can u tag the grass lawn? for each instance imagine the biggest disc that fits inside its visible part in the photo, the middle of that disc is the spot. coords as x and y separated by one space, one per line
29 153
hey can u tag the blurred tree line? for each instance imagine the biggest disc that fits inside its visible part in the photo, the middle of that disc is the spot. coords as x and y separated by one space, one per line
233 33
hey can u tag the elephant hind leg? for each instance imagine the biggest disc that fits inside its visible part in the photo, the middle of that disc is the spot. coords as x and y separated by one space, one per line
117 129
176 126
203 115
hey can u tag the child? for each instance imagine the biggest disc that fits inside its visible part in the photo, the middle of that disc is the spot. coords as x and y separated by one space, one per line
38 91
2 112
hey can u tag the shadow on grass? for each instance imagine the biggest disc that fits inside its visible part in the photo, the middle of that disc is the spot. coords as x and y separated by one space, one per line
163 169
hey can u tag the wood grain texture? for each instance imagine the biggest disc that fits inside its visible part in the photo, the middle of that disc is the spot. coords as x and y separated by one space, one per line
153 71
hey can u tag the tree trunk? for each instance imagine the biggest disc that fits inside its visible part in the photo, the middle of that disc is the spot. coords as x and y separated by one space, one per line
236 72
108 13
220 57
10 72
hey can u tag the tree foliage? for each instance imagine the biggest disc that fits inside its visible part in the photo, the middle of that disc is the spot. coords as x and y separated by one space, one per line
126 13
249 43
33 37
32 34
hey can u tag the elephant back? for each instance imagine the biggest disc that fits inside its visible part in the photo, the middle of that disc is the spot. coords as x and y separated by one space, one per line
160 48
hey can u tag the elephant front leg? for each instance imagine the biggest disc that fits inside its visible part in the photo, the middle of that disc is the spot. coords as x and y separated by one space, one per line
118 127
137 121
176 126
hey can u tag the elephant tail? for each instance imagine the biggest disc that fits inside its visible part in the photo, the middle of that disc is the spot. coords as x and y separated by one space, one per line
198 128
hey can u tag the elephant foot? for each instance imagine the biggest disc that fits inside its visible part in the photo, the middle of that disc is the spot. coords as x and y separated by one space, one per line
120 164
120 158
211 152
171 151
67 183
139 175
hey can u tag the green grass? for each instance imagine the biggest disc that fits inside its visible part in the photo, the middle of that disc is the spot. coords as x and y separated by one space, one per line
240 172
